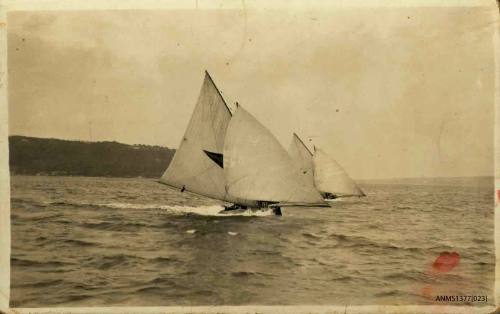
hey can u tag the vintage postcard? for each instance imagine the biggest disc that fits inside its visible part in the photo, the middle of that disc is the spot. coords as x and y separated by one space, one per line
248 156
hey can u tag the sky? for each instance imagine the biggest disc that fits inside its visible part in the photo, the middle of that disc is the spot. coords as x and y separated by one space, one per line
388 92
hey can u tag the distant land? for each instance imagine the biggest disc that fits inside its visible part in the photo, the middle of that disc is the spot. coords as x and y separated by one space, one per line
48 156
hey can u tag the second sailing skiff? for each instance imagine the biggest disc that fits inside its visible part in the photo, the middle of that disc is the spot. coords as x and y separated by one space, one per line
321 169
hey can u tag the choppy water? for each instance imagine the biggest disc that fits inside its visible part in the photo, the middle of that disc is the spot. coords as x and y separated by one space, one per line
99 241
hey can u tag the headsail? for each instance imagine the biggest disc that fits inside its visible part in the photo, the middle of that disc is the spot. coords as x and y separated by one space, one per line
302 157
330 177
258 168
195 164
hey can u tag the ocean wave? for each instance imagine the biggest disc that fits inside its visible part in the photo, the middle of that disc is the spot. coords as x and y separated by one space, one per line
99 225
389 293
243 273
320 262
39 284
483 263
203 292
407 275
38 217
79 243
76 297
110 261
164 260
344 278
63 221
482 241
30 263
311 235
158 286
149 289
27 201
119 225
162 282
362 242
265 252
402 207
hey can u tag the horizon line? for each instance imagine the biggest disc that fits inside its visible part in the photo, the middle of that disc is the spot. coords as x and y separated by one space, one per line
152 145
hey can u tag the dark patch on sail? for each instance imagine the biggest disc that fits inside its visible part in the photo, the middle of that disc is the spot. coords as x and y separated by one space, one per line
216 157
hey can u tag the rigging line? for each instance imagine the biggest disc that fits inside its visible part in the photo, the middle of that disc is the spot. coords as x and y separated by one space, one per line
300 140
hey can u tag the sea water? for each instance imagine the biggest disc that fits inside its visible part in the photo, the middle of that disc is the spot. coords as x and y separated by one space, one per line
80 241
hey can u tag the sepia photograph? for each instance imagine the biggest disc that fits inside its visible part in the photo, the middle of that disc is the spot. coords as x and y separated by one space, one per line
252 155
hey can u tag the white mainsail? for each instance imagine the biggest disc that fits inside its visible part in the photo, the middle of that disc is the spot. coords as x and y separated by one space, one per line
197 163
258 168
330 177
302 157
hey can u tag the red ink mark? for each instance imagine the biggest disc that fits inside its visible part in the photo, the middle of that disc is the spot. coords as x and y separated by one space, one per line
446 261
498 195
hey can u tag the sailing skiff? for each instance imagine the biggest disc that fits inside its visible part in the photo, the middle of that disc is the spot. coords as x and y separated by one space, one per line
234 158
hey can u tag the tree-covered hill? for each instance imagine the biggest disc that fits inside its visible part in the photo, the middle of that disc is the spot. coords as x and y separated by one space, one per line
44 156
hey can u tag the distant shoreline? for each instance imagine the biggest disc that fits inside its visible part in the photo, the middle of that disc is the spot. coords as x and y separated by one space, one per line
84 141
80 176
55 157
